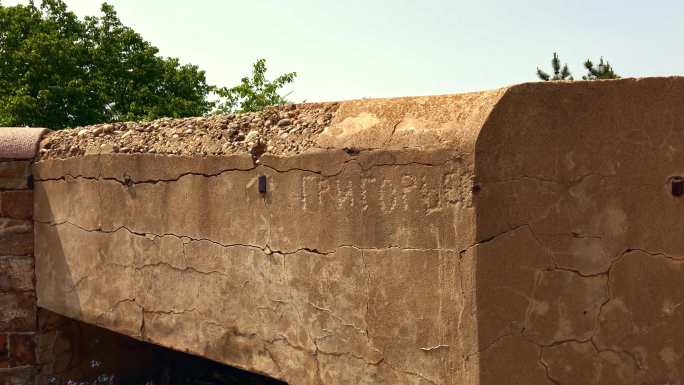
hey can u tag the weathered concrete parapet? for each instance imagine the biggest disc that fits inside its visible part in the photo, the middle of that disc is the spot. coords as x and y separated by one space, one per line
527 235
17 292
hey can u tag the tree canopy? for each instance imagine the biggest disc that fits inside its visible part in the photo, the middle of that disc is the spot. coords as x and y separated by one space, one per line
559 72
255 92
603 71
59 71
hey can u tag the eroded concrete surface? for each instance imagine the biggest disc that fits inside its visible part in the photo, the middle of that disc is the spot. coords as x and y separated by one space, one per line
521 236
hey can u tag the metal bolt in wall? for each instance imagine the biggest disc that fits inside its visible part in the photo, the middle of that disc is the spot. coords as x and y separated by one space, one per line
262 184
677 186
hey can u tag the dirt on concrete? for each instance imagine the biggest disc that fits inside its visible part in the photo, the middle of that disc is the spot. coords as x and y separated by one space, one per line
284 129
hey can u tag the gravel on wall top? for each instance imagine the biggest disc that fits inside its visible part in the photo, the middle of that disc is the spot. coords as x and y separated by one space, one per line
282 130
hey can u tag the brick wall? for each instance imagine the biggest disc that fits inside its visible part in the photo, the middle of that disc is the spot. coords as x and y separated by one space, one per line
17 289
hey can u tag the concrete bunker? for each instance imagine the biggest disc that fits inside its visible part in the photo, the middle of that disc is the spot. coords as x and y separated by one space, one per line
528 235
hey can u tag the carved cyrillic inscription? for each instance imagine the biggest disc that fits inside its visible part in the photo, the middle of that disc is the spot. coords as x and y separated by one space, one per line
391 193
388 196
365 182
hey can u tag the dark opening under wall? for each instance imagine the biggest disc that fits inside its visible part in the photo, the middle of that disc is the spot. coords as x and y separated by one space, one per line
75 353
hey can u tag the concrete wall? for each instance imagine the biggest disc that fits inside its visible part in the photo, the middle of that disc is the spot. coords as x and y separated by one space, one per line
580 279
372 274
522 236
346 271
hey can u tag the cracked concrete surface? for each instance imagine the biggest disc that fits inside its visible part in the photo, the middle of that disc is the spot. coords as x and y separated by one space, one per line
226 275
521 236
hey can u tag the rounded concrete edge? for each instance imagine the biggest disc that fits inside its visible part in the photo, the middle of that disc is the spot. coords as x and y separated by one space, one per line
20 142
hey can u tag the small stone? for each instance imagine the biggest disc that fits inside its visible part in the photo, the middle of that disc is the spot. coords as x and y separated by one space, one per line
127 134
284 122
175 136
252 135
83 132
107 128
97 131
188 131
107 148
267 250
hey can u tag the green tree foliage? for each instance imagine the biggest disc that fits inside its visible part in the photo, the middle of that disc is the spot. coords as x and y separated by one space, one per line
559 72
254 93
603 71
58 71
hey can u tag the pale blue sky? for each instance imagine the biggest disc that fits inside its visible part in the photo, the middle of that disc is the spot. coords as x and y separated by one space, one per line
353 49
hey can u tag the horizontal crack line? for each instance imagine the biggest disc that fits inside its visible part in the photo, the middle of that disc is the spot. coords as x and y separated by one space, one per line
343 166
264 249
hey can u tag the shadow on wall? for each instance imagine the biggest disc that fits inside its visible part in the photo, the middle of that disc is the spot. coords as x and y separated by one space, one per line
75 352
51 261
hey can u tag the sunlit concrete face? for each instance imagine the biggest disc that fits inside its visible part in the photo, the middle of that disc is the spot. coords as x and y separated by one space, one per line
581 174
525 235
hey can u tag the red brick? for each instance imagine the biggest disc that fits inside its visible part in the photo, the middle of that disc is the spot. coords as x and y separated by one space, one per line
22 376
16 274
16 237
22 350
16 204
4 351
18 312
14 174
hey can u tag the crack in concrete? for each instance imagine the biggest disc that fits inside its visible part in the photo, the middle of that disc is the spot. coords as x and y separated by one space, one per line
490 239
606 273
410 373
126 181
143 234
547 370
170 266
609 296
391 135
569 183
591 340
264 249
432 348
338 318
